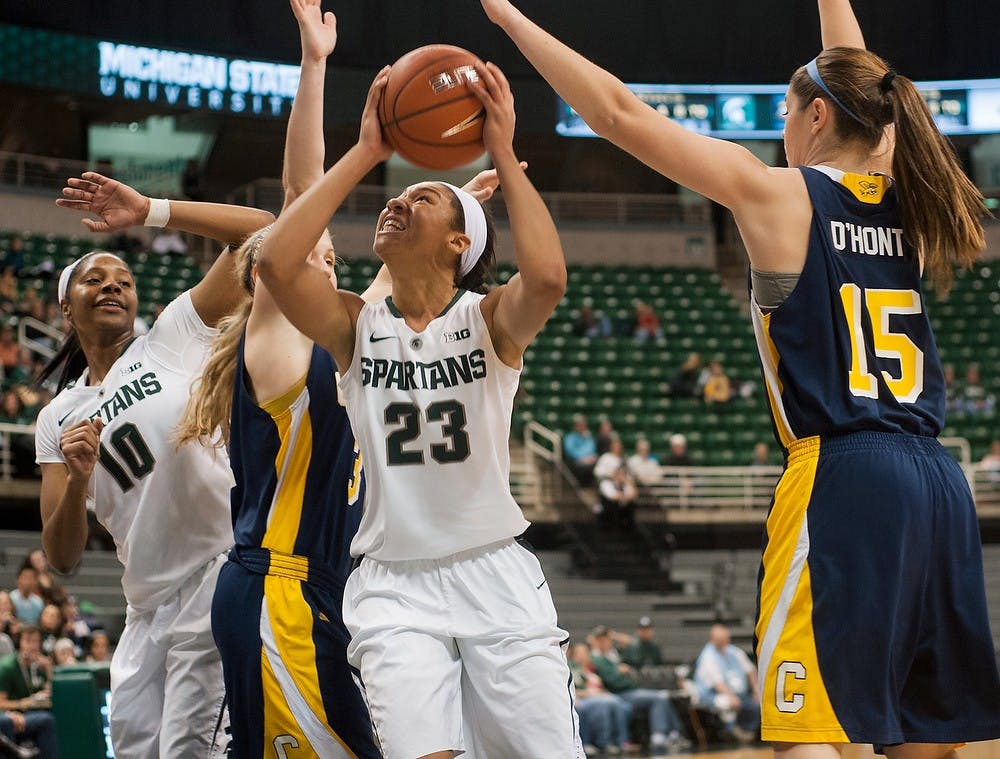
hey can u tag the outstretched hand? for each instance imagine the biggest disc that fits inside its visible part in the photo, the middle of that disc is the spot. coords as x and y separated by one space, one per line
370 135
484 184
493 90
118 205
317 29
496 8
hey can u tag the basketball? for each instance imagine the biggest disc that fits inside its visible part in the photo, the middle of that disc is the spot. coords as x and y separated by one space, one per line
428 112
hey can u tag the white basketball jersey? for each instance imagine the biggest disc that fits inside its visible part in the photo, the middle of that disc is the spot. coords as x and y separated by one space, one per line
166 508
431 413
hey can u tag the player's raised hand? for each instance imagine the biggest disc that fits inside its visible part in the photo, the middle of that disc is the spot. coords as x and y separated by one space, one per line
370 135
118 205
496 9
493 91
317 29
81 447
484 184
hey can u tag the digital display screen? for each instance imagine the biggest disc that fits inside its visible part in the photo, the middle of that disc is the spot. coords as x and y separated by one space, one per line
757 111
173 79
105 697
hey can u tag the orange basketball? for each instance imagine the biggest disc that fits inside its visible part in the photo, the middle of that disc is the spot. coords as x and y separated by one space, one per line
428 112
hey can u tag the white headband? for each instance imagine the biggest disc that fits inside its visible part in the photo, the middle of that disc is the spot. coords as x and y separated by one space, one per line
64 278
475 229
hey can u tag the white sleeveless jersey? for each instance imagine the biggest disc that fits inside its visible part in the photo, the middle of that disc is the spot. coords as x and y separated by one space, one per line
166 508
431 413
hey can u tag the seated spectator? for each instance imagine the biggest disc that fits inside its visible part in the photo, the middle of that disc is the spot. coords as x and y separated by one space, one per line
26 695
10 625
22 372
9 348
688 380
580 450
678 451
610 460
9 293
50 626
77 627
647 323
63 652
726 679
14 258
22 444
99 647
591 324
643 465
619 678
718 389
991 462
643 651
605 434
952 390
761 455
974 398
48 587
604 717
28 604
618 499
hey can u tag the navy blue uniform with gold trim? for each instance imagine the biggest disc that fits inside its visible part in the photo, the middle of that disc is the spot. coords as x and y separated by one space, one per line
872 624
277 609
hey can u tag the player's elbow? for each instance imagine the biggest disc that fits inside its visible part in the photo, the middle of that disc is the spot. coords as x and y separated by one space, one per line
549 285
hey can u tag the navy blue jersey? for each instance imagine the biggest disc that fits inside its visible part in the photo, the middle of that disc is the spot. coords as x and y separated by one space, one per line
299 484
851 348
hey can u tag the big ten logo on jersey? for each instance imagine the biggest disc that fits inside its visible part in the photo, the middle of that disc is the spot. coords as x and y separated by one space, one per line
786 697
133 368
454 337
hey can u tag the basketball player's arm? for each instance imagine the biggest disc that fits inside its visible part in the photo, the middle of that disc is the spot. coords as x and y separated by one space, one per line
64 495
723 171
518 310
302 291
839 25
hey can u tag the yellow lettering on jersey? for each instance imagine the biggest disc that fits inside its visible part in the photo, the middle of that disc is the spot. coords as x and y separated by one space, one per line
354 484
868 188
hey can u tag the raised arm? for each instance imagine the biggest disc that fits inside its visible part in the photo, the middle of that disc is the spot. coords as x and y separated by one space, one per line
302 291
119 207
304 143
839 25
519 309
722 171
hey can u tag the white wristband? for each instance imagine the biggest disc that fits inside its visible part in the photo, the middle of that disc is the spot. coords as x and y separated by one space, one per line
159 213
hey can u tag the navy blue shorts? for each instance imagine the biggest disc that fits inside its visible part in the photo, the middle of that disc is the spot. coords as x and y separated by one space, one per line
284 658
872 624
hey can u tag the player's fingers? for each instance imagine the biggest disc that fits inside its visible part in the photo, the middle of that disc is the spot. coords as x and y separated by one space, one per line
487 78
499 76
95 226
330 20
76 205
98 424
82 184
94 177
73 193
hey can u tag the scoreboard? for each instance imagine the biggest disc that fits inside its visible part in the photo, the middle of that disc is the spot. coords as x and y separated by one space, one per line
756 112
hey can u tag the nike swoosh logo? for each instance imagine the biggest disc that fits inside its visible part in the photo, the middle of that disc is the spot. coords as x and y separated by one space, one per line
59 423
539 586
466 123
373 339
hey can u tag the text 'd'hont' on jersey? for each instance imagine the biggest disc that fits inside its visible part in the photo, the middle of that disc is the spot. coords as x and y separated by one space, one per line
851 348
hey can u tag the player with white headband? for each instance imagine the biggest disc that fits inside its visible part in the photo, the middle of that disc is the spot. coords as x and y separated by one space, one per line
453 627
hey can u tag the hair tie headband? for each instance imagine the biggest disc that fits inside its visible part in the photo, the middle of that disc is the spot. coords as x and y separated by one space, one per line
64 278
886 84
475 229
813 70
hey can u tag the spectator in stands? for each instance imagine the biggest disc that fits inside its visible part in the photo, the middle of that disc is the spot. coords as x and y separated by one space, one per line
665 729
591 324
9 348
76 627
678 451
610 460
9 292
761 455
643 651
580 450
604 717
718 389
991 462
605 434
22 445
50 626
99 647
22 372
618 498
25 597
10 625
191 181
647 323
689 378
63 652
14 259
952 389
25 695
643 465
974 398
169 242
48 586
726 679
